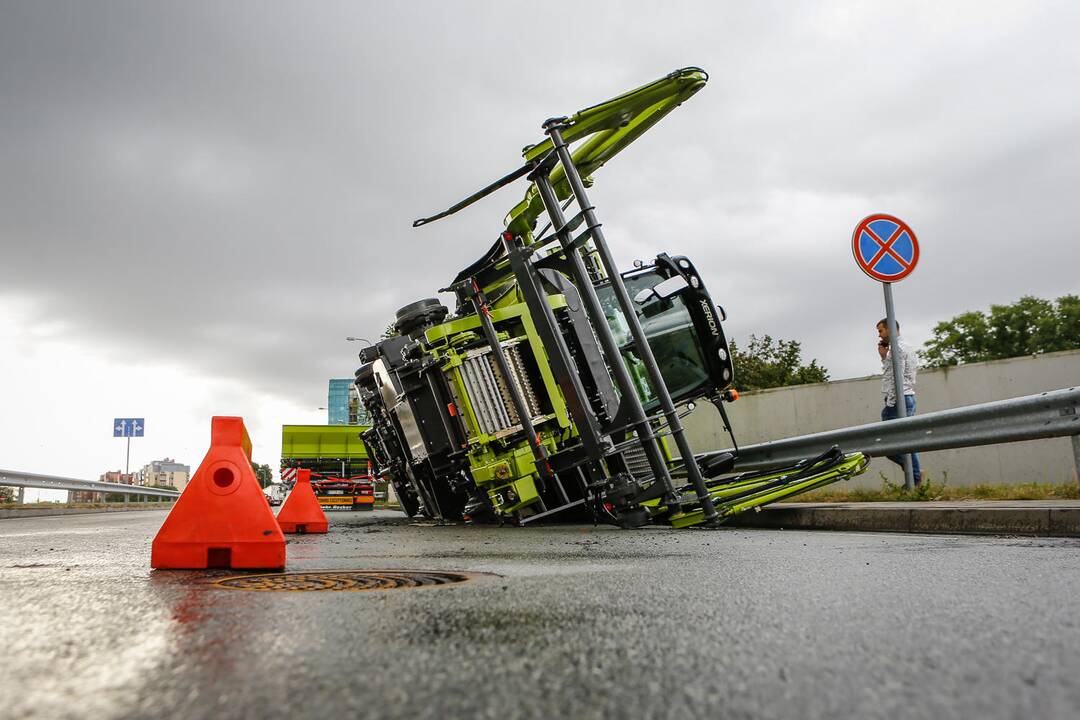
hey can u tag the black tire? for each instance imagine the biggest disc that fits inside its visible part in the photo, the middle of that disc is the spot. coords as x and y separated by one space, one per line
419 314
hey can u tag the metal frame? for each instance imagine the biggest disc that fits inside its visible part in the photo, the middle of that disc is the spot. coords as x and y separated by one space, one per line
1032 417
630 400
547 327
594 233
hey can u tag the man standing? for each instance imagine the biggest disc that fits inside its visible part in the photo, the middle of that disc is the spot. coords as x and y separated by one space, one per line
888 387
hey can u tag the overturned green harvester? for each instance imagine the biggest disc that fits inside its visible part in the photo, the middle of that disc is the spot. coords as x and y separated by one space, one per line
555 386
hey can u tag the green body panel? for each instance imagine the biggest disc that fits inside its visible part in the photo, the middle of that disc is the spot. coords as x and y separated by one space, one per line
324 442
562 414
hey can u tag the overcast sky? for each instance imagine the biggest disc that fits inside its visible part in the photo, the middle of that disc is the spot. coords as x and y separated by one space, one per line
200 200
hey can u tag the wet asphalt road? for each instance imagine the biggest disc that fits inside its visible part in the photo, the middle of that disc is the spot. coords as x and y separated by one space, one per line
571 622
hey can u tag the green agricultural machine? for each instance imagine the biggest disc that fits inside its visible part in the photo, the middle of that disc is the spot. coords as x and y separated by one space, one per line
557 385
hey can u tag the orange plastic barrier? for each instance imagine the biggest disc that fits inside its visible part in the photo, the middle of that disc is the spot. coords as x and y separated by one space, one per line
301 512
222 519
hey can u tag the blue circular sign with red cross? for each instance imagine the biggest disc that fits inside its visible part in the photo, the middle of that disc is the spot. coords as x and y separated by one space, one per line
885 247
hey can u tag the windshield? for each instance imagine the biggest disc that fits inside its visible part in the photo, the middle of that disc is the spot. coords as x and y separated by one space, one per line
670 331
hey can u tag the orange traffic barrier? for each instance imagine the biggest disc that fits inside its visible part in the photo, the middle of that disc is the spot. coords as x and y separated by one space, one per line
222 519
301 512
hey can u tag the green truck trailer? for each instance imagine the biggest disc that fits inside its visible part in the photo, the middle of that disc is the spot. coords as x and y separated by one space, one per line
341 473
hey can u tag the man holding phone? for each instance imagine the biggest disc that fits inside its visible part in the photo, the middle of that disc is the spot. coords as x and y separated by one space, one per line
888 387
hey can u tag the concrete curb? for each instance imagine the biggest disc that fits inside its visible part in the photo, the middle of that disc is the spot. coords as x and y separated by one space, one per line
6 513
1039 518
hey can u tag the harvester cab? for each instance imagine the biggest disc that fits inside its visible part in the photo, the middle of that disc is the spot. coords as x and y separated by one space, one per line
557 385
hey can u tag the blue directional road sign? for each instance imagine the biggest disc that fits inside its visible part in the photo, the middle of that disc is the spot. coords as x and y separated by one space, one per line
128 427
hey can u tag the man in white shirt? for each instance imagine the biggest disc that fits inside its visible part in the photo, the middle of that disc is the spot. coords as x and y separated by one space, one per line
888 387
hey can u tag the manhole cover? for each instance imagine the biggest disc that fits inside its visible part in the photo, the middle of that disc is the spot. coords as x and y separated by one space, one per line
351 580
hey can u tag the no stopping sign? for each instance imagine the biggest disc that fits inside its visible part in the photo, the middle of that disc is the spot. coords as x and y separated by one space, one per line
885 248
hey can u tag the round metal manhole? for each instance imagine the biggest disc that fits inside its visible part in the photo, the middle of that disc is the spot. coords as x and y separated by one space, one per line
343 580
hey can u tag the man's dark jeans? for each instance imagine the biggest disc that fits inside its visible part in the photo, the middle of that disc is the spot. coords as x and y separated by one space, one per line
889 413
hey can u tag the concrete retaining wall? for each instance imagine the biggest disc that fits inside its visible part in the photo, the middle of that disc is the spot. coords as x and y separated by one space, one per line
787 412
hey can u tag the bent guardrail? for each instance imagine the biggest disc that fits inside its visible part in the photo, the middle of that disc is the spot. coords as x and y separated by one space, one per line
1033 417
14 478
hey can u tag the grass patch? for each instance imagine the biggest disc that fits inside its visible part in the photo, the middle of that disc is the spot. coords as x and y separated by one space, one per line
931 490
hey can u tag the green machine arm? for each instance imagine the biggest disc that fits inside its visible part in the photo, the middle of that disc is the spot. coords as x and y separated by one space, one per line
612 126
609 126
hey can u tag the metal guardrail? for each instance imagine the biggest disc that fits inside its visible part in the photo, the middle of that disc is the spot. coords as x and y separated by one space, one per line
1032 417
12 478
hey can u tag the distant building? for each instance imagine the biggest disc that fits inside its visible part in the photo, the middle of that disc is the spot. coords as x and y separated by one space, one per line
115 476
165 472
343 404
337 402
158 472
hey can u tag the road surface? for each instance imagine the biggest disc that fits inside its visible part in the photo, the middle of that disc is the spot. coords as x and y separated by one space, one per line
565 621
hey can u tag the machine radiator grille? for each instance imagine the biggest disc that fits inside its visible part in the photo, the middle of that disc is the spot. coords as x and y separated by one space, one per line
489 393
636 462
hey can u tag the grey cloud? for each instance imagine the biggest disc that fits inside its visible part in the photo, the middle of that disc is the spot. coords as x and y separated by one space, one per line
238 180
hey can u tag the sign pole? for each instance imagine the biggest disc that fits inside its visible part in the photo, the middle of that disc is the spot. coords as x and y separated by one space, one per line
127 460
898 375
886 249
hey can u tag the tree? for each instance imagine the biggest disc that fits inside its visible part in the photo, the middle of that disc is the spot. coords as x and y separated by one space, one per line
768 363
7 494
1028 326
263 474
